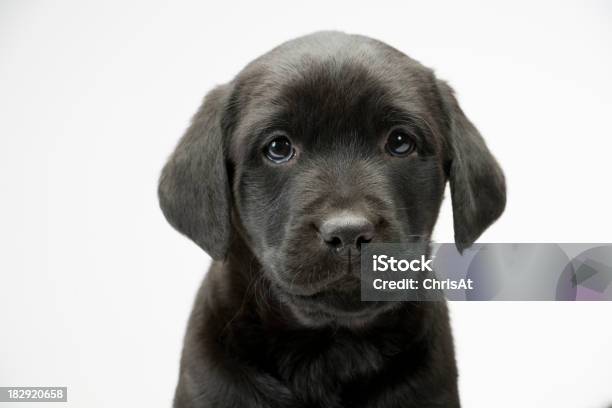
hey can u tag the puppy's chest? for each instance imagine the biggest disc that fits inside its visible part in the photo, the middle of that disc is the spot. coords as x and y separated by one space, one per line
328 371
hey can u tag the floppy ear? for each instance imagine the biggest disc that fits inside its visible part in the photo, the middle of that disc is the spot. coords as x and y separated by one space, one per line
478 187
194 192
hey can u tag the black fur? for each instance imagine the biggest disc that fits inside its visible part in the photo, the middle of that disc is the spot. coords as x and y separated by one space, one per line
278 321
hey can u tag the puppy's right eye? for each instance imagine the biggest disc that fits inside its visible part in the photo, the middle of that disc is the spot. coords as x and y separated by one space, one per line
279 150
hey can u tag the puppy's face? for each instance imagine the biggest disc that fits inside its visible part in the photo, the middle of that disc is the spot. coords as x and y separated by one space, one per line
317 153
332 158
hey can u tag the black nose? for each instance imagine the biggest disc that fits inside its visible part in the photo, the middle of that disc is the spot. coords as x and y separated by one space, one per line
347 231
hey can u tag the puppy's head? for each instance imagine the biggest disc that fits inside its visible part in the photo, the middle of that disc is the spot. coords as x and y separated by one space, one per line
325 143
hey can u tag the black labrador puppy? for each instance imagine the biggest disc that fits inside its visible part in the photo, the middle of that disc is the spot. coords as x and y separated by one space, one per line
323 144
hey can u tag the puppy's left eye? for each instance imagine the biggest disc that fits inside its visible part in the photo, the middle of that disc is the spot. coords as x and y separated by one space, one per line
400 143
279 150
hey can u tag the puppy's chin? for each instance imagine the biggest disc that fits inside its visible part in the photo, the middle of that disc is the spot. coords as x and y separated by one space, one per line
338 305
320 314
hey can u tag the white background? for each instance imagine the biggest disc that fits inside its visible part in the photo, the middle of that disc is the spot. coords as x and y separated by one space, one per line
95 287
